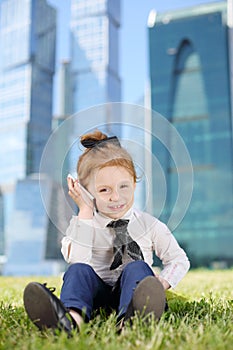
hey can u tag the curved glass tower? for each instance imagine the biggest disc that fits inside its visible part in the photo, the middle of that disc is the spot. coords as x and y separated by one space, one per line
190 86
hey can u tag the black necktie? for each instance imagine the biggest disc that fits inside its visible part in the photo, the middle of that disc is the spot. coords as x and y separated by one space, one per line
123 241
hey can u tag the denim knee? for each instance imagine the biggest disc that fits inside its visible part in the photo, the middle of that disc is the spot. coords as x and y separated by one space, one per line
79 268
138 265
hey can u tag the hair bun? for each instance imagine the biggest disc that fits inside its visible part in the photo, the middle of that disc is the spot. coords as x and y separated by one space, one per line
91 140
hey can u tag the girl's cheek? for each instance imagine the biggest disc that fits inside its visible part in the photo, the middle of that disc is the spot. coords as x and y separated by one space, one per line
100 202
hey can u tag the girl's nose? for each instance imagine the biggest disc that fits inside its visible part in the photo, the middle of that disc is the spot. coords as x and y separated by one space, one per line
114 195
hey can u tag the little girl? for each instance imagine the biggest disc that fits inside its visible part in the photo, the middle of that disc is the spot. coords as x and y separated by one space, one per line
109 246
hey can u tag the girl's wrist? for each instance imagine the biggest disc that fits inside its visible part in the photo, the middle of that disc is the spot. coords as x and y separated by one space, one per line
164 283
85 213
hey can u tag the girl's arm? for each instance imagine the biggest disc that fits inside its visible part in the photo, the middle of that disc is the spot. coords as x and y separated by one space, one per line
78 241
174 259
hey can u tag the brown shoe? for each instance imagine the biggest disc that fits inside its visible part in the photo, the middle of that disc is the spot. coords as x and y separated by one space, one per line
45 310
148 298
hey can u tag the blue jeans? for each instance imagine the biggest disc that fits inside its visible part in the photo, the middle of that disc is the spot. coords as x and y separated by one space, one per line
84 291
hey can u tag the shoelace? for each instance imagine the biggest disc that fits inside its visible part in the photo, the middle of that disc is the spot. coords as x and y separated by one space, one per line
52 289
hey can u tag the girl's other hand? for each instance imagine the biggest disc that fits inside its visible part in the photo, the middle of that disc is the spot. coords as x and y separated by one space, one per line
165 283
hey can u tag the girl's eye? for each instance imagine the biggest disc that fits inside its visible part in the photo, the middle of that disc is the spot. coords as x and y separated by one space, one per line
124 186
102 190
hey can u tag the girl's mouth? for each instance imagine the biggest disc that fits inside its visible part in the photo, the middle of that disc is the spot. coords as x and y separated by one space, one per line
116 207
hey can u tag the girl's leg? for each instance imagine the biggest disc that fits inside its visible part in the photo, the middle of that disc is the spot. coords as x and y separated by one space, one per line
83 290
133 273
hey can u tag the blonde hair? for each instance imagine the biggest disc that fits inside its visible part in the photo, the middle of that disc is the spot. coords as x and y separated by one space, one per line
102 153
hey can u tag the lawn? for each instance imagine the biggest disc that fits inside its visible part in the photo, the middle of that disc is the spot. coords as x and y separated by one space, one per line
200 317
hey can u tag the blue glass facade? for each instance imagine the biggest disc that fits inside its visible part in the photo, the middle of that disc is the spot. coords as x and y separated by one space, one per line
27 46
190 86
95 52
29 246
94 65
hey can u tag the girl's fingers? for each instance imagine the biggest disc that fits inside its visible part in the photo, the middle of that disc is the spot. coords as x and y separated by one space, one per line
75 192
70 183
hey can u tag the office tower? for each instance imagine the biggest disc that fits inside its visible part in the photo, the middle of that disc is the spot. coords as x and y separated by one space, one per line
27 33
190 65
95 28
27 46
94 68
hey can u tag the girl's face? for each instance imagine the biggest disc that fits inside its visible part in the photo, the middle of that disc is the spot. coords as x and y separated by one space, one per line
113 188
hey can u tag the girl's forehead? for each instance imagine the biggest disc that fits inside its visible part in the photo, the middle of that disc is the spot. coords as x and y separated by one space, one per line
113 170
112 173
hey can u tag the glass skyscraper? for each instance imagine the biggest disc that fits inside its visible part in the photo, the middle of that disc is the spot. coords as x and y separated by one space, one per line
27 46
94 67
27 41
95 52
190 66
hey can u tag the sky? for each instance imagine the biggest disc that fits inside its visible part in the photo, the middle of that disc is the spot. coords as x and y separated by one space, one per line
134 61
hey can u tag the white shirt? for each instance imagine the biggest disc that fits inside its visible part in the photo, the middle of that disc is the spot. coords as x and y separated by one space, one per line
91 242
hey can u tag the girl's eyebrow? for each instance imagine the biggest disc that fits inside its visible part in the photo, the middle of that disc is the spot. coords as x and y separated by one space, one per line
124 181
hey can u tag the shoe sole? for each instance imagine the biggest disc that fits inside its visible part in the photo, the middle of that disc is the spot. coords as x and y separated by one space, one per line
149 297
39 307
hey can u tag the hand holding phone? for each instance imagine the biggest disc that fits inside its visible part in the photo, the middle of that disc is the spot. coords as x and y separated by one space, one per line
86 193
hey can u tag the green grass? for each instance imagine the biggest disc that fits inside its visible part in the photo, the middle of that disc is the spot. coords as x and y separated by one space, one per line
200 317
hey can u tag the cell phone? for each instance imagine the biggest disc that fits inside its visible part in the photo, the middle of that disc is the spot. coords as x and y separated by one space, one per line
87 193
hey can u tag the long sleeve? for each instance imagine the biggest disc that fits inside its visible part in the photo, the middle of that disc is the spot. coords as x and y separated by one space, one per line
78 241
174 259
